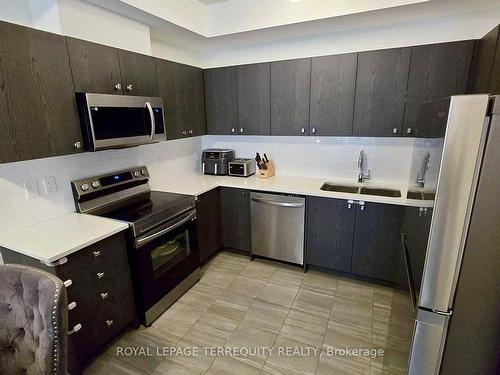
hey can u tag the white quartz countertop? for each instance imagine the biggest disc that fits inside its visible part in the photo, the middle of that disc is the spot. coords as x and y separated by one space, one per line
197 184
53 239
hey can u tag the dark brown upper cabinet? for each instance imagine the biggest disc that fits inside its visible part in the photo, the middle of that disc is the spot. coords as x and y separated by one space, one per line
333 80
485 69
138 74
181 87
436 71
381 84
254 99
221 100
290 89
95 67
38 115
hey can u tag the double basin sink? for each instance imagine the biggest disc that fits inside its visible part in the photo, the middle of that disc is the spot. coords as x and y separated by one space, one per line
381 192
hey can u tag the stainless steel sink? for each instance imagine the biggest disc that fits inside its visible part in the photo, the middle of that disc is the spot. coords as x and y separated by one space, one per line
421 195
340 188
381 192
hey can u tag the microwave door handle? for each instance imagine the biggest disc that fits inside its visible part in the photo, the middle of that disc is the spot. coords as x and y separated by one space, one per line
151 237
152 116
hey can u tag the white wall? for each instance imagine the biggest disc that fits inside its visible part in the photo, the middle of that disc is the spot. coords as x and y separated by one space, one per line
164 160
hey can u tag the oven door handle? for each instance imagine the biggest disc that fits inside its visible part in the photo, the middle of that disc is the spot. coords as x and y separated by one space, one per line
153 236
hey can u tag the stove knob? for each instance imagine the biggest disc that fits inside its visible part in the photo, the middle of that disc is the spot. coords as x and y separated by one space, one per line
137 173
85 186
144 172
95 184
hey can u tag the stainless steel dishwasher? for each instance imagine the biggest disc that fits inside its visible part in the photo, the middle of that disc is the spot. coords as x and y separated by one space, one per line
278 226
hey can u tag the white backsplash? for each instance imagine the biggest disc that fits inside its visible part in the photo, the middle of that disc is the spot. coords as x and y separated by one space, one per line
164 160
389 159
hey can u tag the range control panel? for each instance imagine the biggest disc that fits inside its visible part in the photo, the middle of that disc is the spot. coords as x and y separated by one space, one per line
95 184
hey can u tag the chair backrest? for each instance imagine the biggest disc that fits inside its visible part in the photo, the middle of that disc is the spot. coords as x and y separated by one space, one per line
33 321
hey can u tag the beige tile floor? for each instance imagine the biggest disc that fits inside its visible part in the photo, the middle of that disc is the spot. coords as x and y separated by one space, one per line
239 303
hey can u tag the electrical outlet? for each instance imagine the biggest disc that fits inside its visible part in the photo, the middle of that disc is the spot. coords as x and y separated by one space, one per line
48 185
31 189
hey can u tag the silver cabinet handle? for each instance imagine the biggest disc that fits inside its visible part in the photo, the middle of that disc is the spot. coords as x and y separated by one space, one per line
104 296
190 132
152 117
184 132
203 168
100 275
279 204
75 329
233 130
350 202
68 283
395 130
409 131
78 144
109 322
96 253
242 130
302 130
118 86
71 305
130 87
313 130
215 169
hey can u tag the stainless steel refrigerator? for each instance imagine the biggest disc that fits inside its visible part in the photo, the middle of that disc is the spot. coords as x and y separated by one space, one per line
457 328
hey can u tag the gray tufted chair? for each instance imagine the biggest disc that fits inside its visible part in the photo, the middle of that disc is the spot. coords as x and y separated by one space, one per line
33 322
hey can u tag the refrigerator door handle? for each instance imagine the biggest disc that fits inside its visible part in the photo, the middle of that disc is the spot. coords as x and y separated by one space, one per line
429 336
409 274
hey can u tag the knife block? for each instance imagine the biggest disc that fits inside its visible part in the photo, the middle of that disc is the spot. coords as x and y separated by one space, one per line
266 173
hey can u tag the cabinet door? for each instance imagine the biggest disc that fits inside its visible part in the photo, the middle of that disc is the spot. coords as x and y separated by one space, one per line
381 84
254 99
37 101
329 231
209 225
485 68
236 219
181 87
221 99
332 94
290 89
138 74
436 71
377 252
95 67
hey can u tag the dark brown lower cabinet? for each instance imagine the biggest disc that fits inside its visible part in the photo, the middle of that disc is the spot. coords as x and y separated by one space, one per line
377 250
236 219
102 290
329 235
209 226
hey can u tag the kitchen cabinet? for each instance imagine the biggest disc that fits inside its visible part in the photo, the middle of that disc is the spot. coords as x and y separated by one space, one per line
236 219
381 85
329 233
38 113
181 87
221 100
101 287
95 67
436 71
485 68
138 73
290 89
377 251
209 225
254 102
332 95
416 227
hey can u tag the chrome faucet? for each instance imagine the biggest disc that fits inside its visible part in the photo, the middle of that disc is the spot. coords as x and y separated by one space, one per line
423 170
361 165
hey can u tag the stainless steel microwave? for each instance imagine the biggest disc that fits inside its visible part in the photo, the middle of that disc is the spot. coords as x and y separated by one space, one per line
115 121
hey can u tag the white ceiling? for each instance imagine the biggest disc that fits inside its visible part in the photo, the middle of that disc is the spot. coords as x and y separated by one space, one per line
212 18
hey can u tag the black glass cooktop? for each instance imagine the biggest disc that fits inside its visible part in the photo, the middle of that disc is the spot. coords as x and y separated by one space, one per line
155 208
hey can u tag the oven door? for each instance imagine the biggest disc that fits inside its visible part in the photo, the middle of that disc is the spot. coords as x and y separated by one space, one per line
164 257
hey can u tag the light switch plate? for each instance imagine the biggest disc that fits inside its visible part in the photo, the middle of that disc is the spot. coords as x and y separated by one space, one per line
31 189
48 185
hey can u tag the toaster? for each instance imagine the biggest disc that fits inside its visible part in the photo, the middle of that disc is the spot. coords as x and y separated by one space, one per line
215 161
241 167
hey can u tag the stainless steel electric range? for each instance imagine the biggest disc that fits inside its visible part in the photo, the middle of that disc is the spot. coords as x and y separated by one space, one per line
162 240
